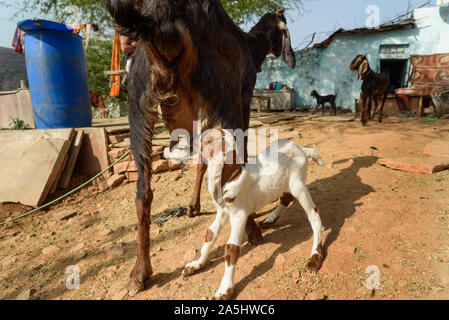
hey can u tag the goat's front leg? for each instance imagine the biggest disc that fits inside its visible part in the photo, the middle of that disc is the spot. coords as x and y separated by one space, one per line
232 253
195 202
211 235
142 270
316 108
363 99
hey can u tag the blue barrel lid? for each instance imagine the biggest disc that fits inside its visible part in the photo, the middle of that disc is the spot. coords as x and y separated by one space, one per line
41 24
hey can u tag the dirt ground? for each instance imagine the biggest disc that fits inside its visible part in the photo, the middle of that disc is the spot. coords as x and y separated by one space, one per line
373 216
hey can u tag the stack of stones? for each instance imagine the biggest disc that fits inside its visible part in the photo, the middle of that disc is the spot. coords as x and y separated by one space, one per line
125 171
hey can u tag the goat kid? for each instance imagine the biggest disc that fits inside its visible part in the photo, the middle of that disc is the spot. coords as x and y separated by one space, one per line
374 87
322 100
258 184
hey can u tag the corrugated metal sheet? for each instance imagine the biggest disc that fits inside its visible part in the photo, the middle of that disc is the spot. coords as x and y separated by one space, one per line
430 72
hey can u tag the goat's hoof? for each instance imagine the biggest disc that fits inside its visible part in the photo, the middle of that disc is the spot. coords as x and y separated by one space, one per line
268 224
315 263
138 282
224 296
140 276
191 268
193 211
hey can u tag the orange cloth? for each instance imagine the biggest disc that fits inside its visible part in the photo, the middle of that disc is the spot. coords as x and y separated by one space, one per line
115 64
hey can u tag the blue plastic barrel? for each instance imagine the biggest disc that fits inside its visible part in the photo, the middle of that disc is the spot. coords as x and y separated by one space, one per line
57 75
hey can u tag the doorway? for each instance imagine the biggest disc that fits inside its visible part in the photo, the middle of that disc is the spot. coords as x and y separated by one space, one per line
398 72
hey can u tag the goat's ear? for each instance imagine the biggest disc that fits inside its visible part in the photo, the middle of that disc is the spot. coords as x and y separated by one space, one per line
363 69
287 51
280 12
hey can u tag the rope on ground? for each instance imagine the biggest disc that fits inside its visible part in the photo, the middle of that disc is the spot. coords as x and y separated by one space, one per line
68 193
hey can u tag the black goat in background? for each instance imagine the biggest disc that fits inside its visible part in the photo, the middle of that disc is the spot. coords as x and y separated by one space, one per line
322 100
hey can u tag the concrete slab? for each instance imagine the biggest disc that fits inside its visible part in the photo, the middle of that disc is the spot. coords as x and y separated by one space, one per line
417 165
437 148
29 168
93 155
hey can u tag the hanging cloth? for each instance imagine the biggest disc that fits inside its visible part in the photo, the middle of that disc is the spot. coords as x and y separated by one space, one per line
18 43
115 64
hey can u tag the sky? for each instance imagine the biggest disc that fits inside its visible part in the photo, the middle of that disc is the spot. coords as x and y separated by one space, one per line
320 16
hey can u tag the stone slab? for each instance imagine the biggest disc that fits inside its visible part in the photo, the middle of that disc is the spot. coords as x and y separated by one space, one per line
93 155
29 168
13 135
72 157
417 165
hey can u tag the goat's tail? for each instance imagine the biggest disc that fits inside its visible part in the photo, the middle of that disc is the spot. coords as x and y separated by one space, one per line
312 153
126 13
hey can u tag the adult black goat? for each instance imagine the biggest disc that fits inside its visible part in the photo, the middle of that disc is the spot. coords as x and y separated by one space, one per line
374 87
192 63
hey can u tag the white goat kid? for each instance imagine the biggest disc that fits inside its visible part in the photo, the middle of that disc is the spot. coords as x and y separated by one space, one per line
261 183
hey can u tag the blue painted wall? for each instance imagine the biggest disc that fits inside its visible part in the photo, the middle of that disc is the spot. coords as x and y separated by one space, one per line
327 70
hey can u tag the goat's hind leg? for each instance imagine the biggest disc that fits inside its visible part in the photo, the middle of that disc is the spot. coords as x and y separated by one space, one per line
285 201
381 111
376 105
300 192
334 108
211 235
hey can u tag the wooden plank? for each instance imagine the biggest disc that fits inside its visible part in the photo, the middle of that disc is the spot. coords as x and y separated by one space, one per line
73 156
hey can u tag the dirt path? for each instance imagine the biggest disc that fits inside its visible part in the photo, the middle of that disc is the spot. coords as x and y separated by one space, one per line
373 216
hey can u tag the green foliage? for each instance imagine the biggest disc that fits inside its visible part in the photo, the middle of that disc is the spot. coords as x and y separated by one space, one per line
17 124
93 11
244 11
99 60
